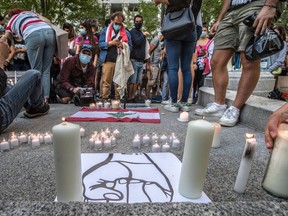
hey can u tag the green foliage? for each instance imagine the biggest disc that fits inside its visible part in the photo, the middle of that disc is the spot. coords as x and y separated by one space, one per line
210 10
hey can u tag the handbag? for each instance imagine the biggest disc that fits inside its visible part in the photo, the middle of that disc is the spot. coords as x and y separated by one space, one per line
61 37
178 23
263 45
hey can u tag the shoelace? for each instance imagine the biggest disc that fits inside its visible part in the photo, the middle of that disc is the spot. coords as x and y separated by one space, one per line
231 113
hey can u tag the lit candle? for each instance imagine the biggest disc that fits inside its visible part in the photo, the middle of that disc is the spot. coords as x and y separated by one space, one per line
136 143
107 143
276 177
99 105
115 104
163 139
23 138
82 132
35 142
156 147
92 106
107 132
217 136
154 138
41 138
91 142
245 164
67 155
14 141
63 119
113 141
176 144
116 133
107 105
184 117
98 144
195 158
148 103
4 146
47 138
171 138
166 147
146 140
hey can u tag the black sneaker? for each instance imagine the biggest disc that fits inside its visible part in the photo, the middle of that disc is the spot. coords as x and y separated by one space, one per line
34 112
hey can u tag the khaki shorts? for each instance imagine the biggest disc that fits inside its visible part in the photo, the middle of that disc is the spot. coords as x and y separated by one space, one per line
155 76
232 32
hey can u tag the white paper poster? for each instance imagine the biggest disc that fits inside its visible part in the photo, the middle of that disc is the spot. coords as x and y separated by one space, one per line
133 178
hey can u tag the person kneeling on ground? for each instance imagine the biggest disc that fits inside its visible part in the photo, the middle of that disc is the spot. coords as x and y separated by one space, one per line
77 71
26 92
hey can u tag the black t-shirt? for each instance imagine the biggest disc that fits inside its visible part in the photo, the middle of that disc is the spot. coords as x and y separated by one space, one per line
111 54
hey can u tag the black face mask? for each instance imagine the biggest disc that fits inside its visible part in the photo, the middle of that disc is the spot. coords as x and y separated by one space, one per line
138 25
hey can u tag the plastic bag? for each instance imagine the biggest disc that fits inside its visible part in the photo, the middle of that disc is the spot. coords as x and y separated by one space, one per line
264 45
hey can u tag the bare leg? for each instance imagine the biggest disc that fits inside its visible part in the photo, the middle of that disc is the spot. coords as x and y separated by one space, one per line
220 78
248 81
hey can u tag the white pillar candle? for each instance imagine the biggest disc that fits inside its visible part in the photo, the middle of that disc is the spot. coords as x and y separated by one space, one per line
113 141
99 105
35 142
98 144
107 132
4 146
115 104
166 147
184 117
14 142
92 106
217 136
107 105
163 139
23 138
136 143
176 144
47 138
67 152
146 140
156 147
82 132
41 138
116 133
276 177
154 138
107 143
245 165
195 158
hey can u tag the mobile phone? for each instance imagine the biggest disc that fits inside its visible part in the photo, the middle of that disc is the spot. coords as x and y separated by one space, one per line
119 38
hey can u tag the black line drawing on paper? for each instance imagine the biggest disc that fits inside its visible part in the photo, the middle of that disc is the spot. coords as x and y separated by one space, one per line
102 184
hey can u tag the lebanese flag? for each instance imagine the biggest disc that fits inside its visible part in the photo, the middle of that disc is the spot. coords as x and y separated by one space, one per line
121 115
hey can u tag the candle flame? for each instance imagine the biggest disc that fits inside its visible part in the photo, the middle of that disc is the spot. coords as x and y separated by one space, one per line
249 135
63 119
203 117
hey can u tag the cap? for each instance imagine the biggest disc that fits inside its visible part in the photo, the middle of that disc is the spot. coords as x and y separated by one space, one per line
87 47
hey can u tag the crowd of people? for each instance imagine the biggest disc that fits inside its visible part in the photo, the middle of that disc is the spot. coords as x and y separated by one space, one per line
170 70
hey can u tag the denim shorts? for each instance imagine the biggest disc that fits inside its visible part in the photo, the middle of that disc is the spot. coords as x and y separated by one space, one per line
138 72
232 32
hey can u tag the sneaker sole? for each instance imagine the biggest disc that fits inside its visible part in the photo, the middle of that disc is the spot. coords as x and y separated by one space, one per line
226 124
210 114
35 115
174 111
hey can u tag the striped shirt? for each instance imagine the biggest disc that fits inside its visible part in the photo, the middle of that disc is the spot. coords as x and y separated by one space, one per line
25 23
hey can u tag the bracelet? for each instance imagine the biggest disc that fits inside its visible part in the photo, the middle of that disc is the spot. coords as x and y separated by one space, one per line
272 6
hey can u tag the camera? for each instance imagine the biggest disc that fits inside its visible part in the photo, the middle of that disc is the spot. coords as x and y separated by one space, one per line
250 19
84 97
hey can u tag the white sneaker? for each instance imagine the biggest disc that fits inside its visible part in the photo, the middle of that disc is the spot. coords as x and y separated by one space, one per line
185 107
172 107
166 102
230 117
212 109
190 101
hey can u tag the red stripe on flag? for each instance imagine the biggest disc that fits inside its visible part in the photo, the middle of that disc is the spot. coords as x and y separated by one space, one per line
154 110
111 119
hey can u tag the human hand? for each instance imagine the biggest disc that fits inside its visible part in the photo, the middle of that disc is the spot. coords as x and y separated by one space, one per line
271 129
75 90
214 28
195 67
264 19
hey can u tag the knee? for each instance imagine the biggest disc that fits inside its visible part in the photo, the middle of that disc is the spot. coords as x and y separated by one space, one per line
33 74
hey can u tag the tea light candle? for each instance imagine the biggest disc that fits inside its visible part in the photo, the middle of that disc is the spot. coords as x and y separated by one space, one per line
23 138
197 149
35 142
67 153
115 104
107 143
136 143
276 177
82 132
148 103
217 136
163 139
98 144
47 138
116 133
4 146
156 147
166 147
107 105
184 117
245 164
146 140
176 144
92 106
99 105
154 138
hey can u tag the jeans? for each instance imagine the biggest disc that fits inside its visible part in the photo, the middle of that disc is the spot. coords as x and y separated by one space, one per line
165 95
180 52
40 47
138 72
28 88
